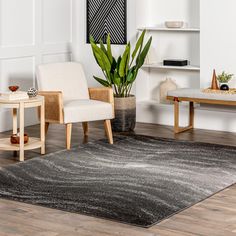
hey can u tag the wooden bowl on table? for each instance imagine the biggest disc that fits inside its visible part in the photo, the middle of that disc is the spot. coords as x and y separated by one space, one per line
13 88
15 139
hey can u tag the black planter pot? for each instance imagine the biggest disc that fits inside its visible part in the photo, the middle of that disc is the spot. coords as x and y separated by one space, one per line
224 87
125 114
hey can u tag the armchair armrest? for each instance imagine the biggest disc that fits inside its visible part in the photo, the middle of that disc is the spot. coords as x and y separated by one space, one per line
103 95
53 106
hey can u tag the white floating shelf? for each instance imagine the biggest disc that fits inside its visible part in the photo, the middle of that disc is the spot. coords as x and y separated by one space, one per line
170 29
161 66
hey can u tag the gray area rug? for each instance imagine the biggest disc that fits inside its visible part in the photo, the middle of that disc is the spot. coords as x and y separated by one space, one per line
139 180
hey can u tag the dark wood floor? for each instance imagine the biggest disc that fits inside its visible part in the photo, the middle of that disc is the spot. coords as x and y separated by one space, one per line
214 216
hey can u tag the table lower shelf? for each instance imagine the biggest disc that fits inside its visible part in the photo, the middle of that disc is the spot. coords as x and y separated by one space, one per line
5 144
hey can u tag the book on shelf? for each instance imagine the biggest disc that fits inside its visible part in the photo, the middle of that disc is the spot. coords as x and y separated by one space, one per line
19 95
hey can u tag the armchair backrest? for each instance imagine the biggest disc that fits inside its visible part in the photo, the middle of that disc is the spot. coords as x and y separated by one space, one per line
67 77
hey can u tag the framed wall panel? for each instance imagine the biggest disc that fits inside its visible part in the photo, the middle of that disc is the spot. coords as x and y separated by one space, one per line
57 25
17 23
107 17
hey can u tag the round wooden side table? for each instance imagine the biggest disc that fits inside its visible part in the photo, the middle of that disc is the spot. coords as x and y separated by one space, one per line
20 106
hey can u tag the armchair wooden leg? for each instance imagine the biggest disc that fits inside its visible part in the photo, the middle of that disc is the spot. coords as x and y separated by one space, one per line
108 130
85 127
46 128
68 136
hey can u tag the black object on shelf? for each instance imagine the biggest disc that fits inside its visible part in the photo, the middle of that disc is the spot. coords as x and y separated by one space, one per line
175 62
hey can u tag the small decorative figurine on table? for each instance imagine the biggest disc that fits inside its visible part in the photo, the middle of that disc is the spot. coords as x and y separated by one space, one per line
32 92
214 84
224 79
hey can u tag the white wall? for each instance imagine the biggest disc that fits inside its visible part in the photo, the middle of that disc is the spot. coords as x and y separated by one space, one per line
82 50
218 49
218 37
31 32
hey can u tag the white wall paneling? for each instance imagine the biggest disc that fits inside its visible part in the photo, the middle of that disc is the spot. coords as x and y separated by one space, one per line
57 21
17 29
31 32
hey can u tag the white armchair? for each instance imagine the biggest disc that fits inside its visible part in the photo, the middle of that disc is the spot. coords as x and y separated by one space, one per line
68 99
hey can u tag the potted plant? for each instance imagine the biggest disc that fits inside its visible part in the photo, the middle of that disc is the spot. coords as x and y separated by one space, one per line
120 74
224 79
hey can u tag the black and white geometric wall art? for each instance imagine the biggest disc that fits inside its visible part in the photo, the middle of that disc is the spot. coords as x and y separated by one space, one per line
107 17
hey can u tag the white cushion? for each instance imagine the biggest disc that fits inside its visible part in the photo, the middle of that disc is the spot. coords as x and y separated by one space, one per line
67 77
86 110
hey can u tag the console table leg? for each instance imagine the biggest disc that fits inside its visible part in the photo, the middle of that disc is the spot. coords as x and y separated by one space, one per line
42 127
177 129
22 131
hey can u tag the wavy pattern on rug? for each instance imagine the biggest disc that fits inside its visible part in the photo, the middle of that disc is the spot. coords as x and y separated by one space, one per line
139 180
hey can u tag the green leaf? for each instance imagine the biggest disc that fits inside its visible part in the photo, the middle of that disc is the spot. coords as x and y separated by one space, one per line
124 64
102 81
107 65
128 58
134 76
103 47
101 57
91 39
130 75
116 79
118 63
113 65
102 60
138 44
98 55
109 52
144 53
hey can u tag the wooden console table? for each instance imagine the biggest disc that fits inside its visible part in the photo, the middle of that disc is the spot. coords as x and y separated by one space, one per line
33 143
196 96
